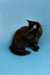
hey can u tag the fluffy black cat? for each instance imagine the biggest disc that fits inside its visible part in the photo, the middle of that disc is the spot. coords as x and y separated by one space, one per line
26 36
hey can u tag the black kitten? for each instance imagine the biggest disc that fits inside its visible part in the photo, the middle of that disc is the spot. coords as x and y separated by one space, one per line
26 36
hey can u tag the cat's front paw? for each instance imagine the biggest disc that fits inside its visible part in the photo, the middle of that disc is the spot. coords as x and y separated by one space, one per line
36 49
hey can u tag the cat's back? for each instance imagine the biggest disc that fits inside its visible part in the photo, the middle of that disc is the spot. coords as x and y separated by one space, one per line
22 31
18 39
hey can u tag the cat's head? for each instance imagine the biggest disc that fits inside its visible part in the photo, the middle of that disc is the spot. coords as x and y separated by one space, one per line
33 25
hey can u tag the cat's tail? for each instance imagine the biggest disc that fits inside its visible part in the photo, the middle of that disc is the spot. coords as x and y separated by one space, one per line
19 52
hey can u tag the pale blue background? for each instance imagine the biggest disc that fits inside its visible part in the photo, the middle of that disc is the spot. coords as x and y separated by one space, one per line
13 15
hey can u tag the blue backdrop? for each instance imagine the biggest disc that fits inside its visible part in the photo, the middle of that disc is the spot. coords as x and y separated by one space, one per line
13 15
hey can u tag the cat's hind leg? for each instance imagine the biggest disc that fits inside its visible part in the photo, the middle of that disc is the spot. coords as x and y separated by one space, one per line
22 52
19 51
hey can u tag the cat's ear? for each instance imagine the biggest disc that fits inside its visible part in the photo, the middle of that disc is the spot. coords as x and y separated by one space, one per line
28 21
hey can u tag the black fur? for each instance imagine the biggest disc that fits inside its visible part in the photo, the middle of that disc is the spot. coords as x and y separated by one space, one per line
26 36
